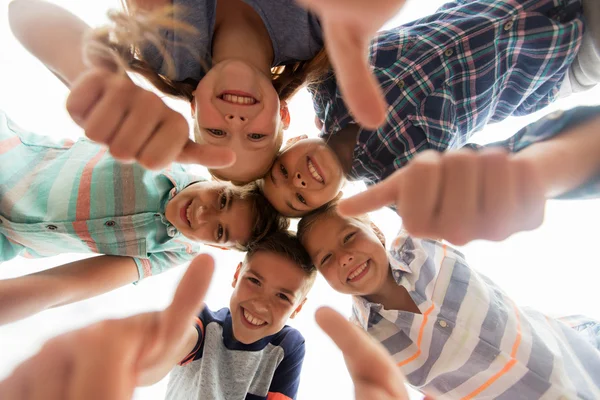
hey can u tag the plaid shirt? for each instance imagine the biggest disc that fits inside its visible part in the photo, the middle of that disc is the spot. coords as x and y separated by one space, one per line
447 75
75 198
470 339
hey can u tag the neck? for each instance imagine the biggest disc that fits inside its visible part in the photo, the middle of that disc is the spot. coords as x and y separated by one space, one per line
240 34
393 296
343 143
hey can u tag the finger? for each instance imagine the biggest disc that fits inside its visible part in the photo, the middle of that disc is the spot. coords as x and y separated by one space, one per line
166 143
141 121
189 297
50 369
374 198
16 385
359 88
366 359
530 195
85 93
106 116
207 155
458 211
420 191
496 197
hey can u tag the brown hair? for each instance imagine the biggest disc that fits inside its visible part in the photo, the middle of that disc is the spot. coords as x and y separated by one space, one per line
120 42
307 222
267 219
286 244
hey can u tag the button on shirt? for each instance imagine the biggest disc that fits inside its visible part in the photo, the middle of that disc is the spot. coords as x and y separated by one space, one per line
65 197
471 340
449 74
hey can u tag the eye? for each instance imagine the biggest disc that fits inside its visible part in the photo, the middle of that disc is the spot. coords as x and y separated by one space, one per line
283 171
219 232
348 237
283 297
254 281
325 259
300 198
222 201
256 136
217 132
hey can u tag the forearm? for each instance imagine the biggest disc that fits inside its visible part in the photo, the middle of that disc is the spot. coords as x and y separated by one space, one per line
52 34
27 295
569 160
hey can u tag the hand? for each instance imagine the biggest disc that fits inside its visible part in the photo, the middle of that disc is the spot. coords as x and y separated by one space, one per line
373 371
348 26
460 196
109 359
136 124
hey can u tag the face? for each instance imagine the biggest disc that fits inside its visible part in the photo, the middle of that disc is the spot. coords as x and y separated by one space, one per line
268 290
209 212
305 176
348 254
235 105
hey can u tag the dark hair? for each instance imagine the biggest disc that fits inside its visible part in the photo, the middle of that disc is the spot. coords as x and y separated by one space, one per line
267 219
286 244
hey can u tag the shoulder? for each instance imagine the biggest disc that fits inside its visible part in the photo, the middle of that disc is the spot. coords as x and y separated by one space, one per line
289 339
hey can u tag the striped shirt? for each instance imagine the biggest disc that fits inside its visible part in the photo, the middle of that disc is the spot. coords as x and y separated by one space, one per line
471 340
73 197
449 74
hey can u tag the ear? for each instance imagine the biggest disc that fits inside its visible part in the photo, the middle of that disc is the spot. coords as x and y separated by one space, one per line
297 310
236 275
284 113
292 141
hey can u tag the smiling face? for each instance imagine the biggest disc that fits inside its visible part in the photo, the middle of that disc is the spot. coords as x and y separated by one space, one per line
269 288
348 254
211 212
303 178
235 105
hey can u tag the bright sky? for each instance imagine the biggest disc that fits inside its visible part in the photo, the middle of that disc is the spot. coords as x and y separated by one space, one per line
553 269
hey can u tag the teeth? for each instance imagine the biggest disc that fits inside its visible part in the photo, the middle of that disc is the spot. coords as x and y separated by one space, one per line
314 172
252 319
358 271
187 214
231 98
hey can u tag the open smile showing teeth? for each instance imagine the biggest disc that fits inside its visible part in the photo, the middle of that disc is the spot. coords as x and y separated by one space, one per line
188 213
313 171
251 319
358 272
236 99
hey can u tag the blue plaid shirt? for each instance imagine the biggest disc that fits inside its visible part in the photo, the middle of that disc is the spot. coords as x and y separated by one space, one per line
447 75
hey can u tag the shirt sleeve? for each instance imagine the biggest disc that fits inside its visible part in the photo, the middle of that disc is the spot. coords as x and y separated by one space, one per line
548 127
286 379
157 263
196 352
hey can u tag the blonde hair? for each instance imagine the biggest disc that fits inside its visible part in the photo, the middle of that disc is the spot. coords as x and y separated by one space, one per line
118 45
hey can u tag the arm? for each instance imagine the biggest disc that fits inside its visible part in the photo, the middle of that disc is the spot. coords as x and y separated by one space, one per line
109 359
52 34
27 295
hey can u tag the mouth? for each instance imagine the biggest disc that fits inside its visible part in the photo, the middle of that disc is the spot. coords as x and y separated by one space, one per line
250 320
315 170
185 214
358 272
238 98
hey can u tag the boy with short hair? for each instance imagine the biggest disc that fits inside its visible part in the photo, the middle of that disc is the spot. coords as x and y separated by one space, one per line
246 350
452 331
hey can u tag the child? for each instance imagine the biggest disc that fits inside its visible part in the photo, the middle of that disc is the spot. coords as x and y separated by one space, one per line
452 331
73 197
236 63
100 366
445 77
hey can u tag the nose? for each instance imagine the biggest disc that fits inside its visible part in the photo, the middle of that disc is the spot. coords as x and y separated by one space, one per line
260 306
236 119
298 181
346 259
204 213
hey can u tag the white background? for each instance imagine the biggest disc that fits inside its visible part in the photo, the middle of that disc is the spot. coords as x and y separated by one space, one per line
554 269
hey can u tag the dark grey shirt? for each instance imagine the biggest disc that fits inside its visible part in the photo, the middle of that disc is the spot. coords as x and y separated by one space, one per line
295 33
